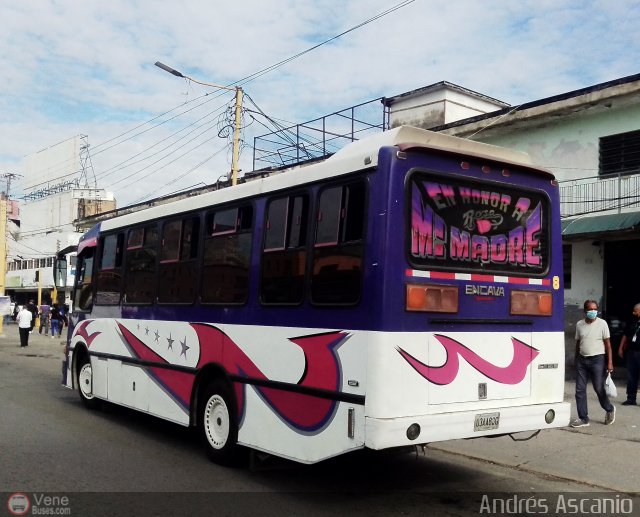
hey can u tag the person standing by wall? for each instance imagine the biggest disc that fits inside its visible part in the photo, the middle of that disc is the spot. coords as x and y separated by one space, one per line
593 356
631 345
24 319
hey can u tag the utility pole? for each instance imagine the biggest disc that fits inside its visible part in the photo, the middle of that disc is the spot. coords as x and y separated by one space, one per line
3 248
236 137
8 176
4 199
237 117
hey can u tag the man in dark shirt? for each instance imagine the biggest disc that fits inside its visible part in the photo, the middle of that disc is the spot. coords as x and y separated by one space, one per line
31 307
631 345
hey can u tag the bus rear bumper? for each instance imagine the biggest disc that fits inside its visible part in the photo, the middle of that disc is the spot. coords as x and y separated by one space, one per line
381 433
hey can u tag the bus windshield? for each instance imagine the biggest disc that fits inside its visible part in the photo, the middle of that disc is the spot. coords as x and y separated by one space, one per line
460 223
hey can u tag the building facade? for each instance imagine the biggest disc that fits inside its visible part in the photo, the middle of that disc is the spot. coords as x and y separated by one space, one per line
56 193
590 140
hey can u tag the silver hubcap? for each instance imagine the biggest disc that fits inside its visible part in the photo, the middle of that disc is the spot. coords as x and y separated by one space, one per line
216 422
85 382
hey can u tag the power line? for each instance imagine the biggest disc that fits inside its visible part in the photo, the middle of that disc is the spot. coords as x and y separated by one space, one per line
155 118
244 80
198 102
40 252
181 176
121 167
271 68
166 164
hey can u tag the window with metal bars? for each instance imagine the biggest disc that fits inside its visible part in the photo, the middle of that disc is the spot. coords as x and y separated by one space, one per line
620 154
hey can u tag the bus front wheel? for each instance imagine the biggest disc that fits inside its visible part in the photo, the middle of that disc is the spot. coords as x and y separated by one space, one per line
84 381
218 424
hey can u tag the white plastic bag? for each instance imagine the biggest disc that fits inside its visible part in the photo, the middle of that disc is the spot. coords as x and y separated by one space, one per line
610 387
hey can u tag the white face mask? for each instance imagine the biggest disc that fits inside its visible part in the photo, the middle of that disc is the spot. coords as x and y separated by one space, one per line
592 315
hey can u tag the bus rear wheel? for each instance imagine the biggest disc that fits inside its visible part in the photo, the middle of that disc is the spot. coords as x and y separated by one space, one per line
84 381
218 424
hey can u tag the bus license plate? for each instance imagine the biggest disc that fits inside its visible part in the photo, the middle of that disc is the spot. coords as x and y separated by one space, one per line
486 421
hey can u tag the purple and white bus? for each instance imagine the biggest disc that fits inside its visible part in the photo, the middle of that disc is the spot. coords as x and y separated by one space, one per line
406 290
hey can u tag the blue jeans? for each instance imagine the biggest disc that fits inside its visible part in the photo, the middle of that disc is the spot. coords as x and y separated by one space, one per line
633 367
594 367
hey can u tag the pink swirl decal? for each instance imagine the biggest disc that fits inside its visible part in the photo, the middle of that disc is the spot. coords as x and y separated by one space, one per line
523 355
81 330
304 412
322 371
178 384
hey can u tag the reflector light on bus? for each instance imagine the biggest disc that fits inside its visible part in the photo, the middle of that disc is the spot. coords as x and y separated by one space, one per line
531 303
432 298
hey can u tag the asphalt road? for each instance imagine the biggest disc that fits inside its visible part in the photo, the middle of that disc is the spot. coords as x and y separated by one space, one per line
115 461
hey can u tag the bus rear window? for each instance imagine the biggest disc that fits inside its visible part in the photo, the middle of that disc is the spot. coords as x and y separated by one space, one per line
463 224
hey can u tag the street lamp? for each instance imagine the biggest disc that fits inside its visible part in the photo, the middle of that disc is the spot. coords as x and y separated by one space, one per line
238 112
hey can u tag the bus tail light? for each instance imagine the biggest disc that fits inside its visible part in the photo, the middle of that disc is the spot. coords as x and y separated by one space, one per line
432 298
531 303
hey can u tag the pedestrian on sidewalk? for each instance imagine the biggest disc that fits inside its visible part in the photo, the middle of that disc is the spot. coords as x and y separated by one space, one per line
44 318
55 320
34 313
630 345
593 356
24 319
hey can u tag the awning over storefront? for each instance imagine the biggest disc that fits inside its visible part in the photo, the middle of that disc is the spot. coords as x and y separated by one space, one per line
592 225
45 288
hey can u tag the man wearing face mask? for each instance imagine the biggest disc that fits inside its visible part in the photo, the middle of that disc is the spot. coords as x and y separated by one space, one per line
593 355
631 345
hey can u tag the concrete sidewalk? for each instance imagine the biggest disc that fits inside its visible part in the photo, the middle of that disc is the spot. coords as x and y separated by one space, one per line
599 456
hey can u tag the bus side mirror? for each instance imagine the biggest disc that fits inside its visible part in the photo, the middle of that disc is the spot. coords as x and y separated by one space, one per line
60 272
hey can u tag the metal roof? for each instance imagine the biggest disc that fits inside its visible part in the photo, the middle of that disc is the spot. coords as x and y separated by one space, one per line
591 225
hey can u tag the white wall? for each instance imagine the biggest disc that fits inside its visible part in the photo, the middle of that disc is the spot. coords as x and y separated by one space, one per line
42 246
568 146
587 273
53 165
57 211
438 106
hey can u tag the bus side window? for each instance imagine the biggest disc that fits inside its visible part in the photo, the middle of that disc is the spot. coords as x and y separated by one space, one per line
227 256
83 295
338 247
109 277
284 254
141 265
178 255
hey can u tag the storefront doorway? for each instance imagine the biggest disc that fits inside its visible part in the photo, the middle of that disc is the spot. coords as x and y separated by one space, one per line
622 284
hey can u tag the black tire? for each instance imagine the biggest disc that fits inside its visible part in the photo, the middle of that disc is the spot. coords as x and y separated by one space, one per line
218 424
84 381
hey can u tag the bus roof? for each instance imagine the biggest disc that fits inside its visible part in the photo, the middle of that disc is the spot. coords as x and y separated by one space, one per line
358 155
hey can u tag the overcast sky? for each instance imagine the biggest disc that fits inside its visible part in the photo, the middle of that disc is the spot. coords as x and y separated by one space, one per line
87 67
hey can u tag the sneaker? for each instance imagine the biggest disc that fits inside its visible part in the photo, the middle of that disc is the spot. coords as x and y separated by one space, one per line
578 422
629 403
610 416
